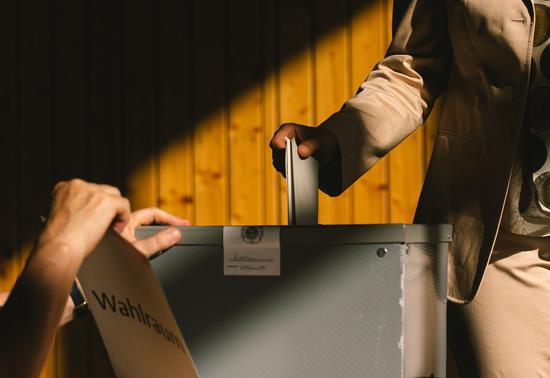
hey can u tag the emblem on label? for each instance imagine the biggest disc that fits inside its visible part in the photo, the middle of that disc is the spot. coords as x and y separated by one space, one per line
252 235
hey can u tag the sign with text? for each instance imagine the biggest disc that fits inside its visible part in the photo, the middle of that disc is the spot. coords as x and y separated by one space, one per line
136 324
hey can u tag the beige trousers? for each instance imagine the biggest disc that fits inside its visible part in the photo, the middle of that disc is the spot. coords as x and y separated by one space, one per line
505 330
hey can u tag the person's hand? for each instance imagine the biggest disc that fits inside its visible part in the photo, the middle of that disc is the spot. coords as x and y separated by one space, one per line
80 213
318 142
162 240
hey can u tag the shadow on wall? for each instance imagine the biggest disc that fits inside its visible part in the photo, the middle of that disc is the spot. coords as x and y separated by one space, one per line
98 89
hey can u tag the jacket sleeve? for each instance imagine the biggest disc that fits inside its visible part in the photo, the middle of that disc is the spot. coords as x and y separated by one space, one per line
398 94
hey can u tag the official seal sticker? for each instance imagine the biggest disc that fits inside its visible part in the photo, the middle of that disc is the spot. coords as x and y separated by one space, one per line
252 235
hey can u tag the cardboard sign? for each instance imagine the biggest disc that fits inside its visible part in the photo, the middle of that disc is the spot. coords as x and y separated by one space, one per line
134 319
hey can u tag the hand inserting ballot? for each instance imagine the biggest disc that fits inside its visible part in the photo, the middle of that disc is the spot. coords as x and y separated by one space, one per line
319 142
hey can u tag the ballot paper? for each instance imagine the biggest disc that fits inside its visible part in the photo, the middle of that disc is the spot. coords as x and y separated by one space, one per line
132 314
302 182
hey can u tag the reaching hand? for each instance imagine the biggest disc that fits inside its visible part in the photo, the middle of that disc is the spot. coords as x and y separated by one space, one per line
318 142
80 214
162 240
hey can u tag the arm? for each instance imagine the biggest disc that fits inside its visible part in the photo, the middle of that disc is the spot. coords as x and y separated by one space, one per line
80 214
398 94
394 100
158 242
162 240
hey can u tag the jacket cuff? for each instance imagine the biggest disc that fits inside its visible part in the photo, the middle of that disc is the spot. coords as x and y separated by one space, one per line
355 160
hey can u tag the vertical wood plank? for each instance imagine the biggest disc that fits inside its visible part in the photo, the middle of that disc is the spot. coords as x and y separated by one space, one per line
69 131
69 141
209 73
246 132
271 111
406 177
332 80
34 126
103 58
9 190
296 68
175 129
369 40
140 72
35 155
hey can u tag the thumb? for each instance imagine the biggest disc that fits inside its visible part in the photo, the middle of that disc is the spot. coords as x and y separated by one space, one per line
156 243
309 141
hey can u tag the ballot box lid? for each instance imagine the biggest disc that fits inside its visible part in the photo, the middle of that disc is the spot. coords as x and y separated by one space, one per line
323 234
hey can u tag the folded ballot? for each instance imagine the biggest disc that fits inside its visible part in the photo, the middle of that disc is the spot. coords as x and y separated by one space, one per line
302 182
132 314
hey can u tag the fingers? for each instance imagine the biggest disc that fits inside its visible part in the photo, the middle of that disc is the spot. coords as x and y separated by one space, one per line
318 142
121 208
308 138
287 130
278 143
308 148
151 215
310 142
162 240
81 212
154 215
109 189
77 187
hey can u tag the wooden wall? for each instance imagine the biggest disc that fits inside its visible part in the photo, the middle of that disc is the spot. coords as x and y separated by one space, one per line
175 102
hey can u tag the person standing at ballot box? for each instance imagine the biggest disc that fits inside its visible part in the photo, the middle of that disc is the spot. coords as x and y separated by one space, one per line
80 215
488 175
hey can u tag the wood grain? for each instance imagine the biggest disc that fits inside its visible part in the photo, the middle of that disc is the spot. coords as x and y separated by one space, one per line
369 40
210 110
175 117
296 75
35 127
139 105
246 130
332 87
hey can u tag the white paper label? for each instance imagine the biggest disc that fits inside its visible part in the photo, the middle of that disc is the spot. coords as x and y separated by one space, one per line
251 251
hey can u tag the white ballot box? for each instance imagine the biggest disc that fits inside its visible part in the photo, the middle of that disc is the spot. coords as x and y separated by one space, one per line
310 301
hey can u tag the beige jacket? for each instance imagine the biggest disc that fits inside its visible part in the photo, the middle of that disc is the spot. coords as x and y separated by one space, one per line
478 52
